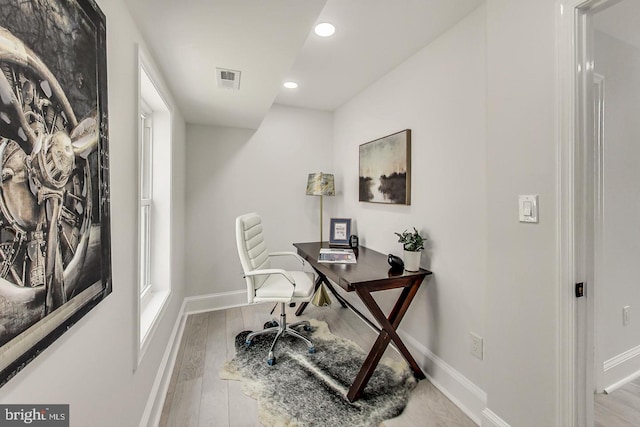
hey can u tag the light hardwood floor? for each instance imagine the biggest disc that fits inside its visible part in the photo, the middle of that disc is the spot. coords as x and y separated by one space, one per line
621 408
197 397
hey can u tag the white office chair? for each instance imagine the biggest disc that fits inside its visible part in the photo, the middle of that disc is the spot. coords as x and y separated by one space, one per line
266 284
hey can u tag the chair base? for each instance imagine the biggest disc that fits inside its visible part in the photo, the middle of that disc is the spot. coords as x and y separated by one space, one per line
281 330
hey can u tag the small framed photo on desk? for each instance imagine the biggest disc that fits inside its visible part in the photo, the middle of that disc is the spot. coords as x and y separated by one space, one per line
340 231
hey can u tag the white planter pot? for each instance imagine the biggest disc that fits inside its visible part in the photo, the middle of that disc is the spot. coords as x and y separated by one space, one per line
412 260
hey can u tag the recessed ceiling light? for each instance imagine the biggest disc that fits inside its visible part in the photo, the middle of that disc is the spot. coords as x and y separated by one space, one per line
290 85
325 29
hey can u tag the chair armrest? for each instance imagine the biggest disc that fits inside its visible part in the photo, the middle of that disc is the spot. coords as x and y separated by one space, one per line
270 271
288 253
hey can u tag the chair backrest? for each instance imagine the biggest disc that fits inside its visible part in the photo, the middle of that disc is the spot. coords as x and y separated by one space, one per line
252 250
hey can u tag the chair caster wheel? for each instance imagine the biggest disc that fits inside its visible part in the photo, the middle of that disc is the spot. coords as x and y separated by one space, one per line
307 328
247 343
271 362
271 324
312 350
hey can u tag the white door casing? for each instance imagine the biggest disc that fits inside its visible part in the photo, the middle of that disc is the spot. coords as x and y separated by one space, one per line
579 207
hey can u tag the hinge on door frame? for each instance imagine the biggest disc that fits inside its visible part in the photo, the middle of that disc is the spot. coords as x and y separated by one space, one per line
579 289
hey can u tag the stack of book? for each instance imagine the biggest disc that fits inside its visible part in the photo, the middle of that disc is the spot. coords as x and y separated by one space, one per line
337 256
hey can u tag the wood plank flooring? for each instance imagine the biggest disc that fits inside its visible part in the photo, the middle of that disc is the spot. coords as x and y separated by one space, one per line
621 408
197 397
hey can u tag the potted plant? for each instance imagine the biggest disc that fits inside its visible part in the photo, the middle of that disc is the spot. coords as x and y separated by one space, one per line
413 243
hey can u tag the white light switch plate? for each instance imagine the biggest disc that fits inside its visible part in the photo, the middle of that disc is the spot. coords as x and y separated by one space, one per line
528 208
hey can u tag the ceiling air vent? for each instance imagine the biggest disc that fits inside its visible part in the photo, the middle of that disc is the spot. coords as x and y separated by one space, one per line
228 79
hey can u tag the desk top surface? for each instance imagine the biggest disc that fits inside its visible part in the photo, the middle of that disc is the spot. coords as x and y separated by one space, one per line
371 269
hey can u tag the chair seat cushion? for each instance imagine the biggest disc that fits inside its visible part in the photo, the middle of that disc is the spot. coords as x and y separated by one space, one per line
278 288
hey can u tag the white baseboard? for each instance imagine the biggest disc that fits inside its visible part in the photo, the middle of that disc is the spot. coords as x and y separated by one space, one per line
158 393
490 419
621 369
467 396
460 390
622 382
190 305
212 302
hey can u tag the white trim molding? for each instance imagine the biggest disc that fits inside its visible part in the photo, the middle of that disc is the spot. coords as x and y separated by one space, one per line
467 396
470 398
613 387
621 358
575 371
565 88
149 309
491 419
621 369
190 305
463 392
158 392
575 368
217 301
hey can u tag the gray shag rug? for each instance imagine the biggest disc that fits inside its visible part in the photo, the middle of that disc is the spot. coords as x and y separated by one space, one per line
308 390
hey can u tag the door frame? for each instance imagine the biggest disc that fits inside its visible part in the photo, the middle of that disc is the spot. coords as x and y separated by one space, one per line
599 86
578 186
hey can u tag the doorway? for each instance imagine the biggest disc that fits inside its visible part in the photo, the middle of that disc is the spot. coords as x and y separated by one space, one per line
599 177
616 53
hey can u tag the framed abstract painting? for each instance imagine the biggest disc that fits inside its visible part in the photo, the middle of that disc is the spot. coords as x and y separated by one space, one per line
385 169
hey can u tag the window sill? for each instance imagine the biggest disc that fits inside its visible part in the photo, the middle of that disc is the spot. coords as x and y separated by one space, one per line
151 308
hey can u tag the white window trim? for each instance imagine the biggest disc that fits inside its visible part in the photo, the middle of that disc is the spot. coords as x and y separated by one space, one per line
152 302
146 117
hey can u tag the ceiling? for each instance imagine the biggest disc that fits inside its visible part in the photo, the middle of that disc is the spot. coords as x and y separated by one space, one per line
273 41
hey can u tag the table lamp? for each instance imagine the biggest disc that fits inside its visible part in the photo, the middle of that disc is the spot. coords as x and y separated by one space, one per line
320 184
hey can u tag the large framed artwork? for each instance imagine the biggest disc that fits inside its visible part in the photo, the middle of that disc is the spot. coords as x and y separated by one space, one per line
385 169
55 244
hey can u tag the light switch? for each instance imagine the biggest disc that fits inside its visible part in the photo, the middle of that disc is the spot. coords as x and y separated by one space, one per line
528 208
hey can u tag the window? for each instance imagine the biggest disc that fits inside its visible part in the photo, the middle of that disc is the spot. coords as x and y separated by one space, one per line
146 198
154 205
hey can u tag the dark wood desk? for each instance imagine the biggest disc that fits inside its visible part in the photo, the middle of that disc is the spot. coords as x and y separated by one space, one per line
370 274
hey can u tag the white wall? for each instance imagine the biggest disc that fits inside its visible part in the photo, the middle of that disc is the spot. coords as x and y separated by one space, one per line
440 94
235 171
481 101
481 104
619 63
484 132
521 347
91 367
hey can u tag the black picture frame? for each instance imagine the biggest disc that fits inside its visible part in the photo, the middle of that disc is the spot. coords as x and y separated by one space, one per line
340 231
55 235
385 169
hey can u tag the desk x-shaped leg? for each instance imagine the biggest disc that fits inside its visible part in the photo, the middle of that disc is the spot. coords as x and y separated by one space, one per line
387 333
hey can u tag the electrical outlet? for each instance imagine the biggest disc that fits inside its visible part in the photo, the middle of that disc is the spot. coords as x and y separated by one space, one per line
626 315
476 345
